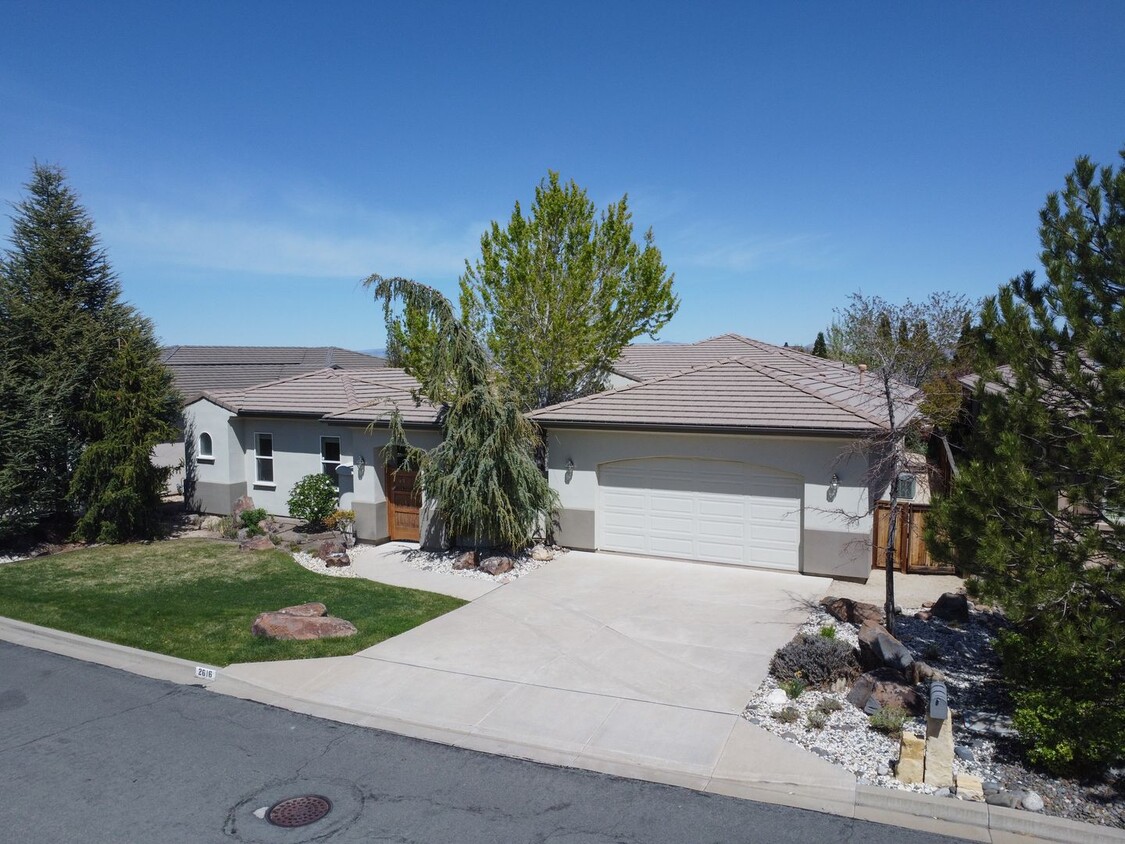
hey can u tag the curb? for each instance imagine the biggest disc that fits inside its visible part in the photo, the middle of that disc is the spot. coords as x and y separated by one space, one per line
959 818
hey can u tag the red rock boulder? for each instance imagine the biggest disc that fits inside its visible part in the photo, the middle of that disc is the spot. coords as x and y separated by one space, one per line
280 625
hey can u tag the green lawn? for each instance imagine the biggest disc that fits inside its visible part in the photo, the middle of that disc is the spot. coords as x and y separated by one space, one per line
196 599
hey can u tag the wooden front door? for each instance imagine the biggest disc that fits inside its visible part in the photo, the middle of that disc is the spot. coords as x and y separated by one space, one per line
404 504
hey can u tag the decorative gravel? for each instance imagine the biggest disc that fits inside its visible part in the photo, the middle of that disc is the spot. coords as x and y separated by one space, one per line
314 563
983 736
442 563
10 559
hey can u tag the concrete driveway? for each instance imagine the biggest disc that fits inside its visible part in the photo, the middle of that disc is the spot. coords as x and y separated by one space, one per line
632 666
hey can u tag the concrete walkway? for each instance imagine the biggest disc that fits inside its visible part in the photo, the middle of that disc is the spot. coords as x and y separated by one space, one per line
387 564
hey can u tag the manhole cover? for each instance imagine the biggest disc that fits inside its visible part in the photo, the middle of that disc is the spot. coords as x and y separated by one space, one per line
299 811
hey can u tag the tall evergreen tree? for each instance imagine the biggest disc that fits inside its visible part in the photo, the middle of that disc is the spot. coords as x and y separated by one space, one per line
820 347
61 320
556 295
1037 512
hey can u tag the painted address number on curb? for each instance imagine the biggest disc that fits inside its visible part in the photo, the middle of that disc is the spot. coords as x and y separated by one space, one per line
205 673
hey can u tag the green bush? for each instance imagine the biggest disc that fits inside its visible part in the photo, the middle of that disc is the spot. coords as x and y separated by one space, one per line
251 518
793 687
815 660
889 720
313 499
1069 700
829 705
828 631
787 715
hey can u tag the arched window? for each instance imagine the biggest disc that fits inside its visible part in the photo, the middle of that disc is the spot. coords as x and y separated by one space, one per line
205 448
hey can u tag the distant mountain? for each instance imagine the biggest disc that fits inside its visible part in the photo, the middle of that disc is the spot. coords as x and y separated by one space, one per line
379 353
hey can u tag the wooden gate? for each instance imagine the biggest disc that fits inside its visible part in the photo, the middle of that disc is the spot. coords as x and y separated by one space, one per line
911 554
404 505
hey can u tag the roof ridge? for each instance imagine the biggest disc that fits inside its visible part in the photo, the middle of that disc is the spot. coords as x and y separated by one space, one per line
324 371
759 367
626 387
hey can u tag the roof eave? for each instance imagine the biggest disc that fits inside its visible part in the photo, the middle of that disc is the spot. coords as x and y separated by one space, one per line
711 429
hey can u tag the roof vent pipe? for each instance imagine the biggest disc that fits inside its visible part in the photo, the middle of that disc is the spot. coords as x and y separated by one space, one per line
862 369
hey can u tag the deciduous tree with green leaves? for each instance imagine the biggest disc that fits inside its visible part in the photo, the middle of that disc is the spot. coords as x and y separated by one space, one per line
1037 514
482 477
83 396
556 295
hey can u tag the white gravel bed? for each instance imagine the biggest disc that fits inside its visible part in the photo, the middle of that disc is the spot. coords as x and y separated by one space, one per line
847 738
314 563
11 559
442 563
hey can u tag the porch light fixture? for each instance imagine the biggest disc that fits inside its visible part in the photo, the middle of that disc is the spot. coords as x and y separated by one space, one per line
833 487
569 470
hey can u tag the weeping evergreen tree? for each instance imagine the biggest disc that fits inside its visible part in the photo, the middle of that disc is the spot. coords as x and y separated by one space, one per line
483 476
63 330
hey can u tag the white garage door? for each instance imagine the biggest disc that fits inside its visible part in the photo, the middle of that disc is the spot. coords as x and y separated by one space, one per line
718 511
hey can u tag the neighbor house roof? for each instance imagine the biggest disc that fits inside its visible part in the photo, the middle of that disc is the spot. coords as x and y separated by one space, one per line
344 396
752 392
643 361
201 368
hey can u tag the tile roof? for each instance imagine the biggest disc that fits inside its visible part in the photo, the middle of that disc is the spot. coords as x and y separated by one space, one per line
202 368
353 396
652 360
756 391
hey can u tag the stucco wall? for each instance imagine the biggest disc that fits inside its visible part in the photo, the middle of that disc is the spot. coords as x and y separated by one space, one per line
832 543
232 471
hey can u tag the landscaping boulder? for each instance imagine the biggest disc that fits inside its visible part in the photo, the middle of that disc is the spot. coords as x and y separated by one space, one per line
496 565
886 687
466 561
211 523
256 543
922 672
282 625
269 526
878 648
541 553
313 609
334 554
241 506
952 606
852 612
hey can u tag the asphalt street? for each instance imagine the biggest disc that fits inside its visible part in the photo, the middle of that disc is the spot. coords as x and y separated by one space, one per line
92 754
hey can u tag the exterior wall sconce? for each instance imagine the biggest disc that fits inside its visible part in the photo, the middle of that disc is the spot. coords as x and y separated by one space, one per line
833 487
569 470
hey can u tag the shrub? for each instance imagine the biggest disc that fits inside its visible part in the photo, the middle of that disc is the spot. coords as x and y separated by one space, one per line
816 720
828 631
932 653
816 660
228 528
829 705
787 715
793 687
338 518
889 720
250 519
313 499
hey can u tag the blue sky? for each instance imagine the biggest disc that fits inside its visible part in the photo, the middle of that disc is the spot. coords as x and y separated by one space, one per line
247 164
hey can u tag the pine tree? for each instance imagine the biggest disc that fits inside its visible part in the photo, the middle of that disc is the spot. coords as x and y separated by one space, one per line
1036 513
483 476
820 347
60 322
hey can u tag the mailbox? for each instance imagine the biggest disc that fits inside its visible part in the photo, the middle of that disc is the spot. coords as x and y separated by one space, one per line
939 701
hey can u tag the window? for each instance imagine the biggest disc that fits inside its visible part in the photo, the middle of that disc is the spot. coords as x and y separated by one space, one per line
330 456
205 447
906 486
263 460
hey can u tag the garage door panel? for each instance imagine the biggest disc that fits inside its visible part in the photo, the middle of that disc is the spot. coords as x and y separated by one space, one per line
700 509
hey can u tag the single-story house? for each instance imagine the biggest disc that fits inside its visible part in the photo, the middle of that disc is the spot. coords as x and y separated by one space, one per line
260 440
197 369
753 459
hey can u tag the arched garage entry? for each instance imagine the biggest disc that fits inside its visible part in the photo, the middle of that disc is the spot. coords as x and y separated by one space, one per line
711 510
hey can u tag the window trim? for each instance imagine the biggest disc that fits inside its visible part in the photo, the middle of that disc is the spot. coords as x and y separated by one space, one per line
200 455
258 482
335 464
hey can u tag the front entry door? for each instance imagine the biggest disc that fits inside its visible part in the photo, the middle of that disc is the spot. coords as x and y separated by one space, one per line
404 504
